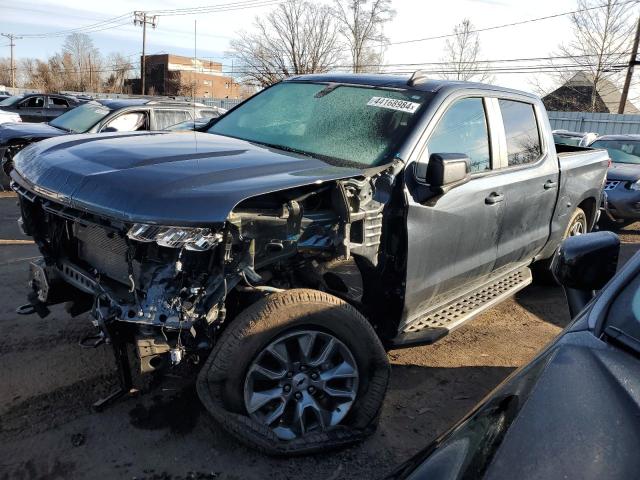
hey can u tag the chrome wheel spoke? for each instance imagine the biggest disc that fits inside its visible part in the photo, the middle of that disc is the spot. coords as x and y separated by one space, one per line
342 370
305 342
257 400
275 414
268 373
280 353
325 354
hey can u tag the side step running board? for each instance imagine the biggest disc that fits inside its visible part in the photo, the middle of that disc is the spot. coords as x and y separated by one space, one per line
441 320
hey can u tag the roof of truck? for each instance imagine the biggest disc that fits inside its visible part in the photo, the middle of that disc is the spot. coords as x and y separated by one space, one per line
421 82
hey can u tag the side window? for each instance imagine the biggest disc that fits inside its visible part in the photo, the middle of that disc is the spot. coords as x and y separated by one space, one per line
33 102
167 118
521 129
463 129
208 114
55 102
128 122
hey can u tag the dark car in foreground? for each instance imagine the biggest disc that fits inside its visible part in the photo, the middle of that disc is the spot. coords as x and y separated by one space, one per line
39 107
99 116
314 225
574 411
621 204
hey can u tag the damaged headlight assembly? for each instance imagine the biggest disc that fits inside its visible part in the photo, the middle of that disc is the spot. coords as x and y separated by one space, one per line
190 238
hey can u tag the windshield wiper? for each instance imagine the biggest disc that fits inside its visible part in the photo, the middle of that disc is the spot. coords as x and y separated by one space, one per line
285 148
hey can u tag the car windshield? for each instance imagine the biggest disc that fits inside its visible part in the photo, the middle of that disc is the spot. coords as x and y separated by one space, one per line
620 151
7 102
564 140
342 124
82 118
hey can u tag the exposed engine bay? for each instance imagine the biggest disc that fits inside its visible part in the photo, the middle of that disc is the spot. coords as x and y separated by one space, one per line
170 290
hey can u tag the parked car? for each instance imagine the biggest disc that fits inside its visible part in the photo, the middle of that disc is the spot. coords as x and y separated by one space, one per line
39 107
4 94
573 412
319 222
197 124
99 116
576 139
621 204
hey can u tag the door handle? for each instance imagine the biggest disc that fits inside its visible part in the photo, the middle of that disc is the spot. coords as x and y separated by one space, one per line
549 184
494 198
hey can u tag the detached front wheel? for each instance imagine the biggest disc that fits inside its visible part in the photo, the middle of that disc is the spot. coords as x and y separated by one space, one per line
298 372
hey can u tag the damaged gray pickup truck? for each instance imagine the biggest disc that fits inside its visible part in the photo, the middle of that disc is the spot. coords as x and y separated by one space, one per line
321 222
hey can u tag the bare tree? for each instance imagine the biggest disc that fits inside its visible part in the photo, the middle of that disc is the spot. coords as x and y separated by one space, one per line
297 37
118 67
361 24
462 52
85 57
601 43
5 71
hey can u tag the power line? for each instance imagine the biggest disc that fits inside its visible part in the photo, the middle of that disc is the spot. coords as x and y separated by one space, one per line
113 22
223 7
512 24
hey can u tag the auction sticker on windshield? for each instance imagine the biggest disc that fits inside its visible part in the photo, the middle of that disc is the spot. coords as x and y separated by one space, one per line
393 104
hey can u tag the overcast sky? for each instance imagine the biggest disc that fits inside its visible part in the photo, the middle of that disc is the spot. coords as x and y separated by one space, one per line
414 19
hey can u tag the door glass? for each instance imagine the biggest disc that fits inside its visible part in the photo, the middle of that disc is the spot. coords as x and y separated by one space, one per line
521 129
128 122
33 102
166 118
463 129
57 103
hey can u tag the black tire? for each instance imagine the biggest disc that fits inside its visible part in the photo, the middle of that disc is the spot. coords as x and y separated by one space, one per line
541 270
221 380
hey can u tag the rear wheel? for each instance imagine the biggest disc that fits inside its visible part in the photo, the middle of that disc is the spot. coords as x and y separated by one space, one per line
297 372
541 270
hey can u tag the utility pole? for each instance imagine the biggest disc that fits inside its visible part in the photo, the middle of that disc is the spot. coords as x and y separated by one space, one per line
633 61
141 18
12 44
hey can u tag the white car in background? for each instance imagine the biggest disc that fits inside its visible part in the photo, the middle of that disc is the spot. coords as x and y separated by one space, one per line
9 117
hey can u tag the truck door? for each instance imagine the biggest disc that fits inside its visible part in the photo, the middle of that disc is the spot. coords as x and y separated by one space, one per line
453 237
530 174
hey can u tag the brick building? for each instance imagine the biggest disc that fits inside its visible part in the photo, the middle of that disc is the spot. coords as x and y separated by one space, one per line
183 76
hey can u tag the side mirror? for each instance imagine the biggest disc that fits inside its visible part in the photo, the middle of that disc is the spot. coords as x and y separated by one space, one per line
447 170
109 129
585 263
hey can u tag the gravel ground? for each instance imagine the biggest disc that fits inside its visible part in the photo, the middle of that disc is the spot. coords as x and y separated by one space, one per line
48 431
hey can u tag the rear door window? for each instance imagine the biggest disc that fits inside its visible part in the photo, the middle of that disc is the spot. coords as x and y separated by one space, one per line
55 102
521 129
463 129
166 118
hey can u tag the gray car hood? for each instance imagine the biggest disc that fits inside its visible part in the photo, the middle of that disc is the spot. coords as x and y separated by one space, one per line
163 178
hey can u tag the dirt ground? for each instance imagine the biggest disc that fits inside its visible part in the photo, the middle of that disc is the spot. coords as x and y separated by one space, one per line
48 383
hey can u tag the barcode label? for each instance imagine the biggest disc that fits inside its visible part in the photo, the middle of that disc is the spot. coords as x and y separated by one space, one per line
393 104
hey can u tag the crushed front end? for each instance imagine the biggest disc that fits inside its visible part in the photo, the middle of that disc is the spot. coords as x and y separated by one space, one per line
160 287
167 289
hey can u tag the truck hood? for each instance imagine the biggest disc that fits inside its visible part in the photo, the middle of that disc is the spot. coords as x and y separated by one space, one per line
27 131
624 172
163 178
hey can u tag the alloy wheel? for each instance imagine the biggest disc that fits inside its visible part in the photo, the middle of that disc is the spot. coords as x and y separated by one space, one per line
303 381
